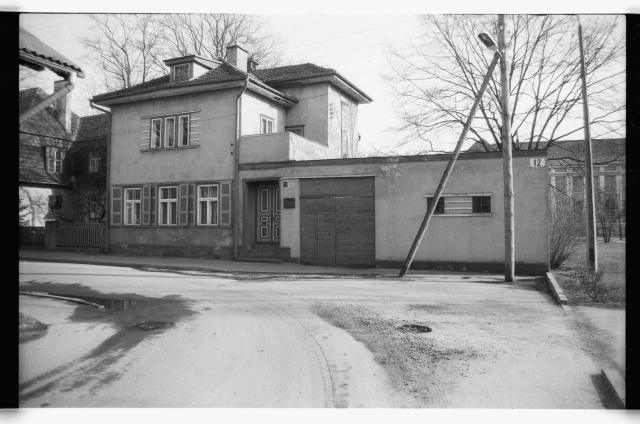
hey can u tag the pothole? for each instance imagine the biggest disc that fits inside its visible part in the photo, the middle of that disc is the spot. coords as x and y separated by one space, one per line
150 325
414 328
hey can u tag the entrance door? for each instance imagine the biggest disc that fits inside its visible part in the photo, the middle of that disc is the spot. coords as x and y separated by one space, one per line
268 213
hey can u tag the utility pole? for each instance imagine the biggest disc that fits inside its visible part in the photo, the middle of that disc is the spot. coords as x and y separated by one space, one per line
452 161
592 248
507 158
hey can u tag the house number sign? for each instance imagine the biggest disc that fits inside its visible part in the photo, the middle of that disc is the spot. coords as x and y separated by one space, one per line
289 202
536 162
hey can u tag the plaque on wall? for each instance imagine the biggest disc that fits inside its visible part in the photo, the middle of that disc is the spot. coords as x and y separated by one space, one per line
289 202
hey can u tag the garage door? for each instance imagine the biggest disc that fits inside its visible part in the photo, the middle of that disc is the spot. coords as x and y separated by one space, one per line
337 221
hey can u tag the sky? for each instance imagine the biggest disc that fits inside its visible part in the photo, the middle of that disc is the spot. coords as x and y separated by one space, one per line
351 43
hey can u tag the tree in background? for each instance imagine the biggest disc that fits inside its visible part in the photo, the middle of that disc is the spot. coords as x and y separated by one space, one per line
130 49
435 80
566 225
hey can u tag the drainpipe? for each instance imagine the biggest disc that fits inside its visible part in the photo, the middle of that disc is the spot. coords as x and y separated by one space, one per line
70 78
236 169
108 187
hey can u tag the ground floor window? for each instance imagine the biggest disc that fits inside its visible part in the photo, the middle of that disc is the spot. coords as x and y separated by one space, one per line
481 204
439 207
132 206
168 205
208 204
462 204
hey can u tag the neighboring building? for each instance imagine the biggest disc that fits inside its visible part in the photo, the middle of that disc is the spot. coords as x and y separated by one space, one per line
220 159
62 158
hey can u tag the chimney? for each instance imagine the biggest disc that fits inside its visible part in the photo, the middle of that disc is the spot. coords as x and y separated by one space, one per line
237 56
252 64
63 105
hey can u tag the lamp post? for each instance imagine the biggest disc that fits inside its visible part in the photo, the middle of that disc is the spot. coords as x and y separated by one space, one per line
488 42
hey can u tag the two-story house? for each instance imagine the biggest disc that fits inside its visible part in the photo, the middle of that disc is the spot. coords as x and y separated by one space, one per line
222 159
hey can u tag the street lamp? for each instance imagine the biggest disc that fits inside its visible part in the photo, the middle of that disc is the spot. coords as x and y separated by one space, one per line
488 42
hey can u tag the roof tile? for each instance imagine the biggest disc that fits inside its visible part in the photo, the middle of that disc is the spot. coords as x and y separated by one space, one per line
29 43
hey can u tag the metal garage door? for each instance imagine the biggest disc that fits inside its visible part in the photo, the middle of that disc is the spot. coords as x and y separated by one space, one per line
337 221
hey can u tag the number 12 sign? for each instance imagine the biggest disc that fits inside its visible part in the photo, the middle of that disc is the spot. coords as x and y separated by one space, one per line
536 162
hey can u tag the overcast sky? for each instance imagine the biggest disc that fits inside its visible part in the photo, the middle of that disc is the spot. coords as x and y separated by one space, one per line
352 43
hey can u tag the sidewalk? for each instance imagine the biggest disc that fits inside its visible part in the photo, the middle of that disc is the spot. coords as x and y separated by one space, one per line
210 265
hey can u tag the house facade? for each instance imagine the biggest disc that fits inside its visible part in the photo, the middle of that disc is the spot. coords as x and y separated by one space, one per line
222 159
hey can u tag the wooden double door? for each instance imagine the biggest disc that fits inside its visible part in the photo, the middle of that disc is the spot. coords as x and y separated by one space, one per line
268 213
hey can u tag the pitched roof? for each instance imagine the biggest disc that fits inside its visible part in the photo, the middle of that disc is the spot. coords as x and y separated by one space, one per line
224 72
227 72
93 127
31 44
292 72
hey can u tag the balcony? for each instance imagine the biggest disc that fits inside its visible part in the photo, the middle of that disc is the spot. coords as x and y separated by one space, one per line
280 147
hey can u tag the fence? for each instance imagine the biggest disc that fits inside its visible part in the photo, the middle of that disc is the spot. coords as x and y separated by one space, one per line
31 236
80 235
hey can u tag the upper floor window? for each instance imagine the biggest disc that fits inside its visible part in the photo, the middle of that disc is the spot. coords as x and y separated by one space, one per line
54 161
610 183
182 71
94 162
170 131
266 124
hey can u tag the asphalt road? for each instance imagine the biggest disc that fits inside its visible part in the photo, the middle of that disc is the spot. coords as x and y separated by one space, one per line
237 342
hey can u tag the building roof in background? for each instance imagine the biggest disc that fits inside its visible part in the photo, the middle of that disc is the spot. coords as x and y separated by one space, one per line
603 150
292 72
30 44
93 127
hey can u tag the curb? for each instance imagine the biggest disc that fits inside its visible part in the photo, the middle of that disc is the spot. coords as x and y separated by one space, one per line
616 384
556 291
68 299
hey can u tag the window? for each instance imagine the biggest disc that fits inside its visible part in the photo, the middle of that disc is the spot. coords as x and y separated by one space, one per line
94 162
208 205
481 204
132 206
439 207
183 131
610 207
578 185
156 126
55 202
169 132
94 208
298 130
561 184
181 71
266 125
168 205
55 160
610 183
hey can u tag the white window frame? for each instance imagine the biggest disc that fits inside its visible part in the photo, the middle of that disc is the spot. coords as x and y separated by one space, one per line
181 141
182 71
55 160
169 142
265 121
210 201
156 143
172 212
94 162
134 205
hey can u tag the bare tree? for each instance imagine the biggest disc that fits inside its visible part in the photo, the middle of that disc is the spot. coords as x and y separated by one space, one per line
130 49
435 80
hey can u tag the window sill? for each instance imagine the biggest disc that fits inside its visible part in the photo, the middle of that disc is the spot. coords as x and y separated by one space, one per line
163 149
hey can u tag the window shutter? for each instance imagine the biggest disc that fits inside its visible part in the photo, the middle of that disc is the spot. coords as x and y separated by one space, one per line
153 205
116 205
225 203
146 204
192 204
183 200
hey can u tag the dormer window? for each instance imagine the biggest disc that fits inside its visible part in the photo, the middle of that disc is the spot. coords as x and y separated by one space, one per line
182 71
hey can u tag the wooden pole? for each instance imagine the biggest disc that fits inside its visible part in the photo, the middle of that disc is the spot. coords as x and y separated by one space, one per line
507 159
447 171
592 248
